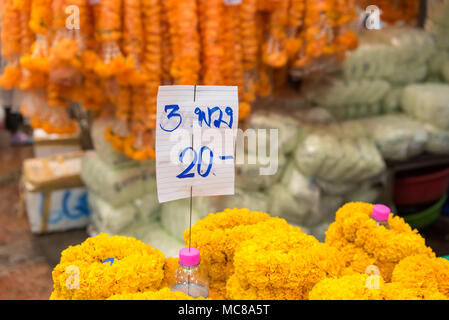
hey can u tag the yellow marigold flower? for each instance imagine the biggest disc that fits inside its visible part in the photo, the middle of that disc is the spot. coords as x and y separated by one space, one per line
424 273
171 264
217 236
81 273
349 287
217 290
363 243
284 259
163 294
396 291
241 291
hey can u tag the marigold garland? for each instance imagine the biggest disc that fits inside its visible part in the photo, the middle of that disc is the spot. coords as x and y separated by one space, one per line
357 236
349 287
139 268
275 50
217 237
281 262
423 273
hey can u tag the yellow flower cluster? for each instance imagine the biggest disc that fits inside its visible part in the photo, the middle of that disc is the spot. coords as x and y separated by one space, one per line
422 272
250 255
163 294
81 273
281 263
218 235
362 243
417 277
349 287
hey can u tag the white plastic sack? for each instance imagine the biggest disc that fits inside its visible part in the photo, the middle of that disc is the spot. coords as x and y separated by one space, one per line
154 234
111 219
117 187
252 200
396 54
283 204
249 175
175 215
288 127
337 93
438 142
397 136
327 153
428 102
148 205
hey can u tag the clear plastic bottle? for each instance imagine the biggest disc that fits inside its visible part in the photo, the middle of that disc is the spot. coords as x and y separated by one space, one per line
190 278
380 214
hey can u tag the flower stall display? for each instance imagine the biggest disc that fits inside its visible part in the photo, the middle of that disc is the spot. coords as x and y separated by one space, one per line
250 255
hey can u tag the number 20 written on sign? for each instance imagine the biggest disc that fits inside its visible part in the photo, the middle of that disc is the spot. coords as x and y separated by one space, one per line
198 160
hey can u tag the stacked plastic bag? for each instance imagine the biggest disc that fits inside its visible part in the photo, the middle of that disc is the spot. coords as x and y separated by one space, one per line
428 102
437 25
347 99
371 79
338 152
396 54
397 136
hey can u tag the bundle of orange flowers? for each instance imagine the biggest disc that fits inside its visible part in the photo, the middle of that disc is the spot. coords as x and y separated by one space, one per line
112 55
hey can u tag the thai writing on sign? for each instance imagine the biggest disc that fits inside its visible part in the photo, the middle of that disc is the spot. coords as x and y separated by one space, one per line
195 141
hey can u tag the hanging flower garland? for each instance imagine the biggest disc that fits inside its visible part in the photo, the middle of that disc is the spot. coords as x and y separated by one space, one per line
186 58
318 34
133 46
108 34
275 50
248 27
212 56
140 144
166 49
11 45
294 27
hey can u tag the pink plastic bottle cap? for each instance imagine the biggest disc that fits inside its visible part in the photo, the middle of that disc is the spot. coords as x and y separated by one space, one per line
381 212
189 257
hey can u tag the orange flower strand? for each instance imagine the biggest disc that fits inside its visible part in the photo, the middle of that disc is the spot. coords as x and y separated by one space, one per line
11 76
109 21
41 16
10 30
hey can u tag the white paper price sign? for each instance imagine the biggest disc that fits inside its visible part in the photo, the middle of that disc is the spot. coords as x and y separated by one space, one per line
195 141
